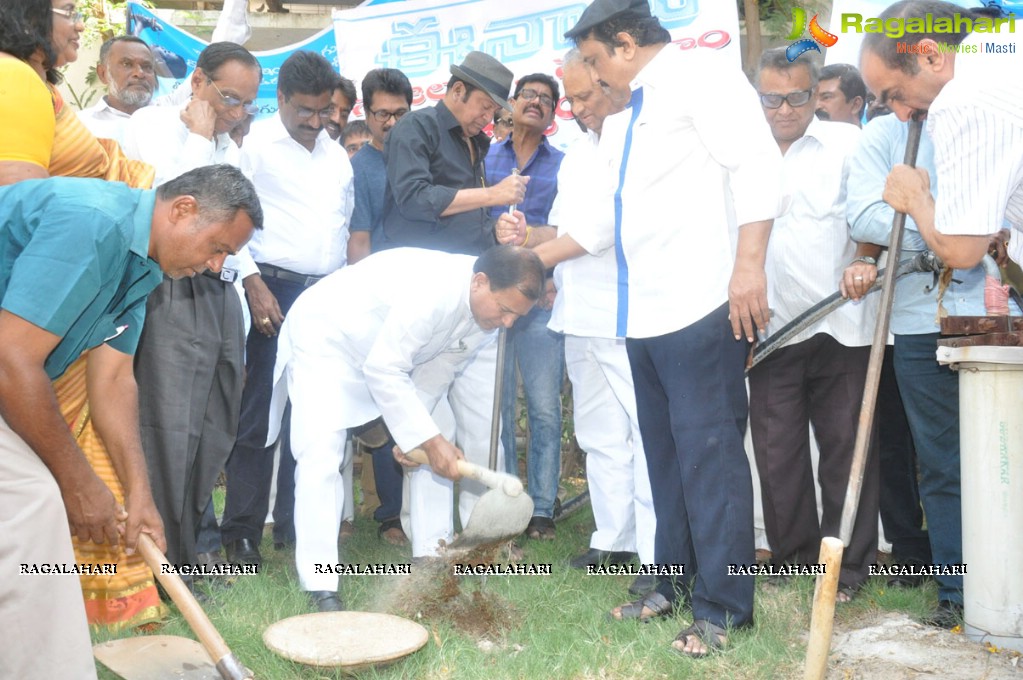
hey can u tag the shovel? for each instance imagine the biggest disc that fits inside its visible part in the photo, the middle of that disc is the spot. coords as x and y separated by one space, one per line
499 515
141 658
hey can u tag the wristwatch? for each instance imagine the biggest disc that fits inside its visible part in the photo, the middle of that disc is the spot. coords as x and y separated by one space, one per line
866 259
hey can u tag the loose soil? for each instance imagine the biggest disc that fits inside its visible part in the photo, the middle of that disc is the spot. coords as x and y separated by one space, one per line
891 646
437 595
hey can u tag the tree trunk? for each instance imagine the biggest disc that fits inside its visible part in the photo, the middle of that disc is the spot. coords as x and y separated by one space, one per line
754 41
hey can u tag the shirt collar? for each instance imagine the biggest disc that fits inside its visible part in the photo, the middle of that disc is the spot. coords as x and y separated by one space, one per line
277 131
820 131
648 75
447 121
103 105
142 223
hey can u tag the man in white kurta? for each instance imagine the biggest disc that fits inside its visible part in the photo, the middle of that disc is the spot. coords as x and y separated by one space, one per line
385 337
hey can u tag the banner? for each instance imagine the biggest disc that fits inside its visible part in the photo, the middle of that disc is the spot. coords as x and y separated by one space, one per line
176 52
423 38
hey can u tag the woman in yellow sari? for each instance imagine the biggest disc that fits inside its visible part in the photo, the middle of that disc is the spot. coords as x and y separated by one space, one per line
43 136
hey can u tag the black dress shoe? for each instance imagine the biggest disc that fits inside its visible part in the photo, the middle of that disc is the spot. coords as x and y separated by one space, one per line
243 551
643 584
210 559
326 601
594 557
948 615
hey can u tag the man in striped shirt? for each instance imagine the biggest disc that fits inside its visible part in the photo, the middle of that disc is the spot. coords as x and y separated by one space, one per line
968 87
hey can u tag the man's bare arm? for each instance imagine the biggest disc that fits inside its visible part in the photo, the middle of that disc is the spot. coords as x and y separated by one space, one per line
113 404
29 406
358 246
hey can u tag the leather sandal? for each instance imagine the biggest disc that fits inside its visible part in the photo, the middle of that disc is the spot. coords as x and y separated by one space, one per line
655 602
713 638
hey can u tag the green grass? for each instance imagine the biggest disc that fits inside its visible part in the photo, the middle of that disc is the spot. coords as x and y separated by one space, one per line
557 625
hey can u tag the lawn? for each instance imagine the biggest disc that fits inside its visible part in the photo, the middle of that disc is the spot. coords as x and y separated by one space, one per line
552 626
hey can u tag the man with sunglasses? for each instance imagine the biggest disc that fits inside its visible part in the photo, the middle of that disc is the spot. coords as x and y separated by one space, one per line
190 364
818 377
538 351
304 182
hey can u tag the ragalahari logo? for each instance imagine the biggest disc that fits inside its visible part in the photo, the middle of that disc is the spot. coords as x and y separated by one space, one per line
819 35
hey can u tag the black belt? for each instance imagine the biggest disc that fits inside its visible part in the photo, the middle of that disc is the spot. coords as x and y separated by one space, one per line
227 275
269 271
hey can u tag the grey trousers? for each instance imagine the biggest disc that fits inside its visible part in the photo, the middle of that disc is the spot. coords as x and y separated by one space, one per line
189 367
42 625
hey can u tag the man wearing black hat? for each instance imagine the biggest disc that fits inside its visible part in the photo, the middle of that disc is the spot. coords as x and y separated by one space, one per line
692 169
437 197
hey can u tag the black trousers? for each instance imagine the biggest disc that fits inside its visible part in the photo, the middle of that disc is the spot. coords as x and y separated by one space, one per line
250 467
692 407
189 371
816 382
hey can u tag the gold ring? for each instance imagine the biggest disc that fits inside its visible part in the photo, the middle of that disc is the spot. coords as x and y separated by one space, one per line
265 320
857 278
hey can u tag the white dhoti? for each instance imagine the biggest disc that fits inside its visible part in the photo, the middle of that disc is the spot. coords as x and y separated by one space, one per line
604 408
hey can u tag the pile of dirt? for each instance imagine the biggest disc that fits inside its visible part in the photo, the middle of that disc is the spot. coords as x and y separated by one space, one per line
894 647
433 593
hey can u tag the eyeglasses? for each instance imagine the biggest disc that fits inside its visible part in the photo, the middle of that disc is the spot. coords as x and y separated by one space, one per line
382 116
72 15
234 102
306 113
506 122
794 99
529 94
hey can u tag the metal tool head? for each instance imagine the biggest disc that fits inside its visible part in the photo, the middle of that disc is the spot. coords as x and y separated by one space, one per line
496 518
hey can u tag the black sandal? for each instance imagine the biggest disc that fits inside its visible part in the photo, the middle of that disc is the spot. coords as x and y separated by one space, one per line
655 602
388 525
541 528
713 638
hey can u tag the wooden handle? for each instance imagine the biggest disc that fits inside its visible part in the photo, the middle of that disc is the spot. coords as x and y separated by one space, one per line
822 620
227 665
495 480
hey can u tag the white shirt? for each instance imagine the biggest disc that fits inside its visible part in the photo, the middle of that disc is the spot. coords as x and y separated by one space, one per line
105 121
156 135
307 199
587 288
365 330
810 245
698 160
976 123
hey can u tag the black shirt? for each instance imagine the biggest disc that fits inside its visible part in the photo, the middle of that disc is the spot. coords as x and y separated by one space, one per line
428 161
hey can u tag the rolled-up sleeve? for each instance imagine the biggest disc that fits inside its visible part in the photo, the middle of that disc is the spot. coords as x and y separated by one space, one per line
869 217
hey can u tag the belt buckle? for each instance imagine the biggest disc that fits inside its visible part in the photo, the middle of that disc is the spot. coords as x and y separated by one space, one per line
228 275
